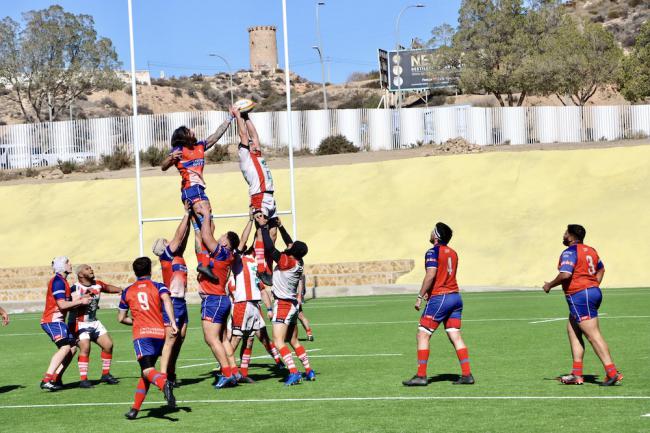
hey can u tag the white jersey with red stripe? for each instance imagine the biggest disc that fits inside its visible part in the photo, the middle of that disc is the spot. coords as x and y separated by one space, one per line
286 277
243 283
255 171
89 313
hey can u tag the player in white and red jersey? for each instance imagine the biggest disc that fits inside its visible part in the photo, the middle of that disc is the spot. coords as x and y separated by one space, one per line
287 275
84 323
58 302
260 186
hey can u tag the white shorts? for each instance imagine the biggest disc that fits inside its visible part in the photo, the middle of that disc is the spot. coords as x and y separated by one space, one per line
246 318
285 312
91 330
266 202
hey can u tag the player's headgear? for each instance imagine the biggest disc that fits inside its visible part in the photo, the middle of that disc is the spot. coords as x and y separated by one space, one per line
443 232
159 246
181 137
142 267
298 249
577 231
58 264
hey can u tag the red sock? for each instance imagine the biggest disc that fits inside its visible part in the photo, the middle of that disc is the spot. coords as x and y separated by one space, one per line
259 256
308 330
157 378
288 359
274 352
463 358
301 353
47 377
106 363
55 377
423 358
611 371
577 368
82 361
234 370
226 371
140 393
245 360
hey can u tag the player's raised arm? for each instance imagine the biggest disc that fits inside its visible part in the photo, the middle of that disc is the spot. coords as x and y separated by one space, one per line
171 159
212 139
179 240
241 127
109 288
286 237
243 240
252 133
4 316
269 248
206 232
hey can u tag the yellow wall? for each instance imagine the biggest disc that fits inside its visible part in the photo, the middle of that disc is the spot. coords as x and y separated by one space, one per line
508 211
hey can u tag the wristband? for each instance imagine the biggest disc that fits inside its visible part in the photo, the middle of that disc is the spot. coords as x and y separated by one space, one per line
420 297
230 118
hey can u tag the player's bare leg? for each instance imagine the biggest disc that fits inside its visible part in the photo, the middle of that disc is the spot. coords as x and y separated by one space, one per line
305 324
301 353
280 334
420 379
577 344
456 339
82 362
105 342
269 345
171 350
58 376
214 334
591 329
56 363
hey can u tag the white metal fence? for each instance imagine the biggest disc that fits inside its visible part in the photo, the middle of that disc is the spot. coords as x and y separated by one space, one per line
28 145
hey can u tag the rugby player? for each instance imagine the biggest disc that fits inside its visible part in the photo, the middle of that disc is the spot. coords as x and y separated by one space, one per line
4 316
581 272
260 187
215 304
286 280
174 274
88 328
58 302
304 321
146 300
444 305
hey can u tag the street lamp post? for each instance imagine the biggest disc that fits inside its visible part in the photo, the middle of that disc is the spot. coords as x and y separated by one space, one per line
397 48
232 98
319 48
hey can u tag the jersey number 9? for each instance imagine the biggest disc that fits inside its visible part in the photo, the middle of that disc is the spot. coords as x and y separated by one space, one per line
143 300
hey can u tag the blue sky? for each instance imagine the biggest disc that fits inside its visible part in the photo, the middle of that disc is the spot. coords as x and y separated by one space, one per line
176 35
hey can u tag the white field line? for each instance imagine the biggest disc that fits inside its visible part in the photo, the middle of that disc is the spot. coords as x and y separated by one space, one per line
647 414
214 361
334 399
397 322
601 315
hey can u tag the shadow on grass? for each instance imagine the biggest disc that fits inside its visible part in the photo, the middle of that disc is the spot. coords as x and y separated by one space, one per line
445 377
589 378
8 388
163 412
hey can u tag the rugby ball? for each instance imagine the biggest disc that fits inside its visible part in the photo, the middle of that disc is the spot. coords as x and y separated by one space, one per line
244 105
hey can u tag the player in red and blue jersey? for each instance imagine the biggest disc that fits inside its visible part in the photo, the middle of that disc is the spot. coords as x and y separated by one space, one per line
146 300
58 302
580 273
215 304
444 305
174 274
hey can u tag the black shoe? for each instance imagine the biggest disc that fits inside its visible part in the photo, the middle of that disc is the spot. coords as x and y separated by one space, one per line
464 380
266 278
109 379
59 384
208 273
131 414
86 384
168 390
614 380
416 381
245 379
50 386
310 338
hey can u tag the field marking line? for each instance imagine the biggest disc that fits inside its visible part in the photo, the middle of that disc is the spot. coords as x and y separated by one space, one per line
602 315
334 399
213 361
647 414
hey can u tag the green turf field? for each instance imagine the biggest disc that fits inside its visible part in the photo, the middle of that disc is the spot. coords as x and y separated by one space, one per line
364 348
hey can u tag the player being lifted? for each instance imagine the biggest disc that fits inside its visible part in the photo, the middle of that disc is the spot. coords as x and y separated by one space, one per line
581 272
444 305
58 302
260 187
146 300
174 274
215 304
287 275
88 328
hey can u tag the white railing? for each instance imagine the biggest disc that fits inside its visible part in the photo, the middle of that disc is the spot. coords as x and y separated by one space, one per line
29 145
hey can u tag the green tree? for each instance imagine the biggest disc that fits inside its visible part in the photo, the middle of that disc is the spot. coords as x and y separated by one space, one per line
634 76
56 57
580 58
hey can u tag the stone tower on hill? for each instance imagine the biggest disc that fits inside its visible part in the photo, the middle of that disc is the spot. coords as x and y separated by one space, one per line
263 48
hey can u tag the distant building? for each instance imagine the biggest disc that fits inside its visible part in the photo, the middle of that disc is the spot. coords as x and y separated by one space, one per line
263 48
141 77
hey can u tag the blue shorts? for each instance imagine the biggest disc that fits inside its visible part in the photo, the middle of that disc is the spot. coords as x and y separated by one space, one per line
180 313
584 304
59 333
215 308
193 194
148 347
447 309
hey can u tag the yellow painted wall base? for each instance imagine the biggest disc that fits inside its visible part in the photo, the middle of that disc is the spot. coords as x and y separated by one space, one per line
508 211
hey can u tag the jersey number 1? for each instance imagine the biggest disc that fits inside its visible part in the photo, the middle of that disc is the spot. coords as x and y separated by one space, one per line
143 300
450 269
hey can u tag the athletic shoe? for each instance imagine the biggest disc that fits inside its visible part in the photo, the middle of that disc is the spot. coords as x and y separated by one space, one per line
293 379
310 338
311 376
266 278
168 390
86 384
131 414
245 379
109 379
50 386
416 381
175 383
208 273
225 382
614 380
464 380
59 383
572 379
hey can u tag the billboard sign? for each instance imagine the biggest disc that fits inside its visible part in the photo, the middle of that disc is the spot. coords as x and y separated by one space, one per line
414 70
